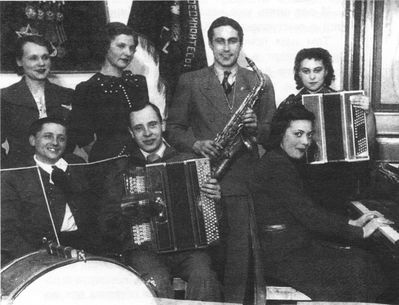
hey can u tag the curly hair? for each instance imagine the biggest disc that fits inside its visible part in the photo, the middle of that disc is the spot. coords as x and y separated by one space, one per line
282 119
317 54
108 34
19 48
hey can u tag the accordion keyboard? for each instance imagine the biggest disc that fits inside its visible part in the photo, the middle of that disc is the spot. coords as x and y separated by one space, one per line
359 130
208 206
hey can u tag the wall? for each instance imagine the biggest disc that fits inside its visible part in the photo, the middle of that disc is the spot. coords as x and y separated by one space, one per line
274 30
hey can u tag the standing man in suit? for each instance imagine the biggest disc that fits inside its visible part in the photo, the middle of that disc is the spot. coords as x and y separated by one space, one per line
32 98
203 103
51 198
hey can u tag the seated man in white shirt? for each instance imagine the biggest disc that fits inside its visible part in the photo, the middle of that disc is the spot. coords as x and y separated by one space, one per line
50 199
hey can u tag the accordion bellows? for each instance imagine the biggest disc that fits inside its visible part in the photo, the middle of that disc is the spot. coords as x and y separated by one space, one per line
170 211
340 128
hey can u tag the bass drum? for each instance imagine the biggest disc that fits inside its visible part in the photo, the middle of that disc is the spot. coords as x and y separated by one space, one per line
41 278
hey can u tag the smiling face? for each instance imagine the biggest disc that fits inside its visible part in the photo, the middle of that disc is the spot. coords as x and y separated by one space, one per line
120 52
49 142
313 74
146 129
297 138
226 46
35 61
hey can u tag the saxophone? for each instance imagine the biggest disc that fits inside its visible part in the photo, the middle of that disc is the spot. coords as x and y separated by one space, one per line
231 140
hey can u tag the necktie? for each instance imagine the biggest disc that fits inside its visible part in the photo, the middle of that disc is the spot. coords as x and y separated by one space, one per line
225 83
60 179
152 158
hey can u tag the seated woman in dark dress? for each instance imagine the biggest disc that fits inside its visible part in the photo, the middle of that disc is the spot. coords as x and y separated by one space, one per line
99 119
292 229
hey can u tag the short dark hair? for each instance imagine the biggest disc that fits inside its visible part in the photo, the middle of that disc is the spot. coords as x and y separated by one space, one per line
19 48
317 54
110 31
37 125
282 119
223 21
153 106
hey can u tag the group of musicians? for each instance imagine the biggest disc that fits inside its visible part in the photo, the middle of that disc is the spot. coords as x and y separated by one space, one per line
307 240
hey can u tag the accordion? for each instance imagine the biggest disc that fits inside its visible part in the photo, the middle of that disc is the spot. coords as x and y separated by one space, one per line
340 128
168 212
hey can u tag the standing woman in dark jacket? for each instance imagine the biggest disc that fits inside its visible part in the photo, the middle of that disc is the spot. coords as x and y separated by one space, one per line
293 230
31 98
99 120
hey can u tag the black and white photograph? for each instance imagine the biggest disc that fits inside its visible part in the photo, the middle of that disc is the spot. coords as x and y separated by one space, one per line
199 152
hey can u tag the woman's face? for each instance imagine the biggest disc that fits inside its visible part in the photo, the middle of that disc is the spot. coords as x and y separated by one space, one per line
35 61
121 51
313 74
297 138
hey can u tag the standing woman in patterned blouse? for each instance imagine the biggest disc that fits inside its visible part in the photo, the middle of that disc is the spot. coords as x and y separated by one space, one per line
31 98
99 120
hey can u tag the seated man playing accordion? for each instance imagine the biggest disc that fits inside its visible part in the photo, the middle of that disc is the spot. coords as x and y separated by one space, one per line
194 266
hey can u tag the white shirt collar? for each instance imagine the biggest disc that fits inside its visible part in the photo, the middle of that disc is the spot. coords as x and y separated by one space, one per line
220 73
48 168
160 152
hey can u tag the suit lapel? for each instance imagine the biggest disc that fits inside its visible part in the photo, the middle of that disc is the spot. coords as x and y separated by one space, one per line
242 89
23 96
213 91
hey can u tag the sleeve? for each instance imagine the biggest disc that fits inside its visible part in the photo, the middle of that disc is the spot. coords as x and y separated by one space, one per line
267 107
286 188
179 132
13 243
82 127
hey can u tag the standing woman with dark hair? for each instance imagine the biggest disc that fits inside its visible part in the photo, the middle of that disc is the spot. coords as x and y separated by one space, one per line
99 120
295 233
332 184
31 98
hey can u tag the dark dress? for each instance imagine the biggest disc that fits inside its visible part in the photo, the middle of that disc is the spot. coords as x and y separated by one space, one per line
101 109
292 231
332 184
19 111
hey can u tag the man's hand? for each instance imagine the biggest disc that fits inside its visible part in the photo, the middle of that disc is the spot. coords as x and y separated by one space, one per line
361 101
212 189
207 148
250 120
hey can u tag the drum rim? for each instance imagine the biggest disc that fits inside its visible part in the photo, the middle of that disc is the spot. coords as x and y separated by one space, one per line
12 295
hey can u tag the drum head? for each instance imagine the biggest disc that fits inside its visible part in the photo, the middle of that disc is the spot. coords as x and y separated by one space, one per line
86 283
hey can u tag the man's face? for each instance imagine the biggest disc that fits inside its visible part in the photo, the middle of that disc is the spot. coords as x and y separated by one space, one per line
146 129
226 46
313 74
35 61
121 51
49 142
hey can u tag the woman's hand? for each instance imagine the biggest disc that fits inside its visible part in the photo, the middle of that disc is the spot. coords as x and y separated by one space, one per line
361 221
361 101
374 224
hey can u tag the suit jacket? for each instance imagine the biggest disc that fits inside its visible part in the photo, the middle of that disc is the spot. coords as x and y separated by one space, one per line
199 111
24 216
19 111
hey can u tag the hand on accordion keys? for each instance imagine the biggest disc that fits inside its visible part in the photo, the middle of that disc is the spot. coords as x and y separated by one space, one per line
361 101
212 189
